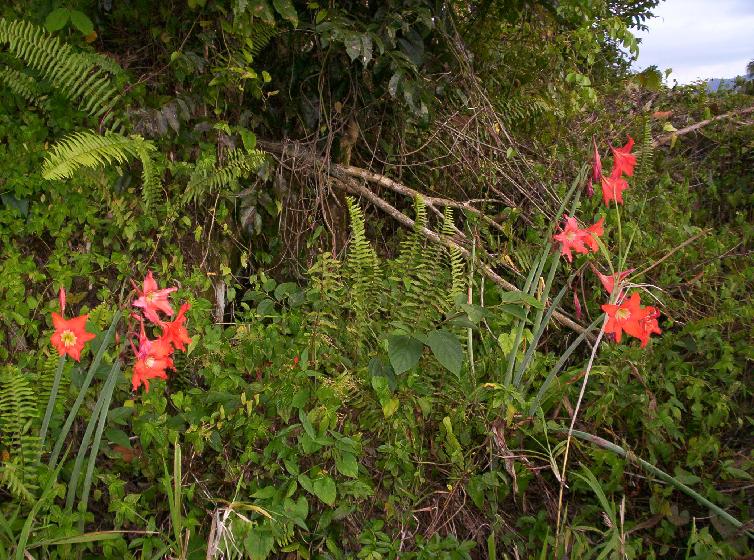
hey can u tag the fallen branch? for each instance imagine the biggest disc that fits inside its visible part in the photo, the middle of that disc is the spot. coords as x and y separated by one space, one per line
668 137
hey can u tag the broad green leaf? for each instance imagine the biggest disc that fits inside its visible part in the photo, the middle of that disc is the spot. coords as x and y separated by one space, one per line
81 22
259 543
353 46
347 465
389 407
447 349
404 352
56 19
285 8
324 488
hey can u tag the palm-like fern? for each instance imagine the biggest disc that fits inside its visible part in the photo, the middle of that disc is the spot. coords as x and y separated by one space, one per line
18 411
83 78
207 176
22 85
645 152
91 150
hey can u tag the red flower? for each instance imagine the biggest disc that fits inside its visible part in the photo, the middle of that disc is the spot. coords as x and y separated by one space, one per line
608 281
61 299
70 335
174 332
152 359
649 324
577 304
295 360
579 240
623 160
633 319
153 299
613 187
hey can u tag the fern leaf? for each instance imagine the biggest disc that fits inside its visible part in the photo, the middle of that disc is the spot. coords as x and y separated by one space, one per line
88 149
83 78
208 177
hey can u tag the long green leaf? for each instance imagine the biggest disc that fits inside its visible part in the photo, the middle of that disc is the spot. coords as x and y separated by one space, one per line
51 402
662 475
82 392
107 394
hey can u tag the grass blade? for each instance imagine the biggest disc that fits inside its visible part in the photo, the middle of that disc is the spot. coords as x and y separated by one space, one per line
51 402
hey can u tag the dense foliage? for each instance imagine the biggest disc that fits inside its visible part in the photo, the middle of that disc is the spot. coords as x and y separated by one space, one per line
357 202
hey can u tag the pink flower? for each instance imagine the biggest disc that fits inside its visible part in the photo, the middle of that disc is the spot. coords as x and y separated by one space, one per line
152 299
579 240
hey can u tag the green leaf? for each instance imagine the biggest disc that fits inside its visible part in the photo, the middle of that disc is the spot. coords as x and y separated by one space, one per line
404 352
56 19
81 22
324 488
447 349
347 465
261 9
259 543
353 46
285 8
520 297
389 407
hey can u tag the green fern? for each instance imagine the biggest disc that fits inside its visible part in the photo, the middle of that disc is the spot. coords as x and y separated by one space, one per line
418 297
83 78
361 274
207 177
91 150
18 412
260 34
645 155
22 85
455 259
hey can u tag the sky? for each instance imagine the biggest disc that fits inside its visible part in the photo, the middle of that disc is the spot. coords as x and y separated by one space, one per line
699 39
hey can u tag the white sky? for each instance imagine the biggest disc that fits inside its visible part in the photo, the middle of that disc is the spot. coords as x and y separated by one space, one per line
699 39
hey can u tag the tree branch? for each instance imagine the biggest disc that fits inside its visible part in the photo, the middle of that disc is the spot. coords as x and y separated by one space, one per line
668 137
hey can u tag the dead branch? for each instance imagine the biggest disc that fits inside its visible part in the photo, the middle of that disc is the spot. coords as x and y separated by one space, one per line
668 137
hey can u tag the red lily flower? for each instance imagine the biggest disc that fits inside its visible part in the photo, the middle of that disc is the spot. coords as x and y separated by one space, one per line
152 359
623 160
70 335
174 332
608 281
574 238
61 300
152 299
633 319
613 187
649 324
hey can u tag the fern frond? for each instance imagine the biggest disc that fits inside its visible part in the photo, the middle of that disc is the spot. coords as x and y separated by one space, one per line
208 177
645 155
419 298
361 274
22 85
455 259
82 78
18 411
11 476
89 149
260 34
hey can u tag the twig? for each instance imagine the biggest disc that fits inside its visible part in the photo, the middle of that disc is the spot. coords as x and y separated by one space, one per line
670 253
668 137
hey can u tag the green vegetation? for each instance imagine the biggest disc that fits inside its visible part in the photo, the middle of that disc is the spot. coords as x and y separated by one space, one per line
389 356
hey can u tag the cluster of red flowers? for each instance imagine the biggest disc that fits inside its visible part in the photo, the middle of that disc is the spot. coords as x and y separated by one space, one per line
614 184
70 335
153 357
628 316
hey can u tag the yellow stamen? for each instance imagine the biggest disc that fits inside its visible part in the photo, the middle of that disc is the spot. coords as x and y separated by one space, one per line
68 338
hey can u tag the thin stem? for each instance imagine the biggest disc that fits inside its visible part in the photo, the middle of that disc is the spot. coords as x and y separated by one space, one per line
573 422
51 402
